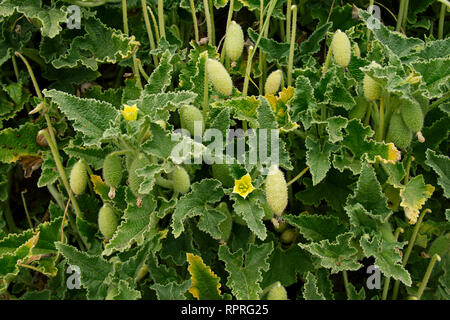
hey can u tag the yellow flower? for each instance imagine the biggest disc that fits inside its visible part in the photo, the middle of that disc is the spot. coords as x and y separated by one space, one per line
243 186
130 112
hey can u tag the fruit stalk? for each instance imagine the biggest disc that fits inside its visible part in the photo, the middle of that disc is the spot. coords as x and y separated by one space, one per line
427 275
162 30
291 49
208 22
149 30
194 19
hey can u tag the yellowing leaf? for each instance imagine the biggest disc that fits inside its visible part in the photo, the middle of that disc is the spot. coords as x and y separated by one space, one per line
414 195
205 283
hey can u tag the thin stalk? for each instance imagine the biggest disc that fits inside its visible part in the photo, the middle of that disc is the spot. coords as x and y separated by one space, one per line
427 275
168 184
16 69
405 15
291 49
213 26
61 171
298 176
141 69
370 10
155 24
208 22
368 115
247 71
205 95
33 78
136 72
441 21
194 19
56 195
125 16
262 59
388 279
381 122
347 287
400 15
151 40
25 207
162 30
439 101
411 243
326 64
288 19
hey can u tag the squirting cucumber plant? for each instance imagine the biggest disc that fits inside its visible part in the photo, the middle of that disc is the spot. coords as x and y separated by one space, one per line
247 150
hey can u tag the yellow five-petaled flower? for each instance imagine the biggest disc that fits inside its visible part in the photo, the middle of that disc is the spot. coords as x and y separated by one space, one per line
130 112
243 186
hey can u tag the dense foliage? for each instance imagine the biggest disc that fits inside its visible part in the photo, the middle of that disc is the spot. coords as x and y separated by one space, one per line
90 184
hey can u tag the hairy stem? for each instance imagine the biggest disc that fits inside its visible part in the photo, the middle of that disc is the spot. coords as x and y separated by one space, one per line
151 40
291 49
441 21
194 19
208 22
162 30
427 275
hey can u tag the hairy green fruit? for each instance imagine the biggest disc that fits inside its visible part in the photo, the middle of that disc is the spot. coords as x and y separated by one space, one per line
134 180
222 173
234 41
191 116
276 191
107 221
181 180
277 292
273 82
288 236
372 89
360 109
219 77
398 132
112 170
78 178
412 115
342 50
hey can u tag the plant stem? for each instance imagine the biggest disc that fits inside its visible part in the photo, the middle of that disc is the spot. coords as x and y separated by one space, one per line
31 73
405 15
439 101
141 69
168 184
298 176
347 287
411 243
213 26
16 69
288 18
194 19
400 15
388 279
22 194
381 122
441 21
155 24
327 60
56 195
149 30
247 71
125 16
427 275
230 16
291 49
262 59
162 30
205 92
208 22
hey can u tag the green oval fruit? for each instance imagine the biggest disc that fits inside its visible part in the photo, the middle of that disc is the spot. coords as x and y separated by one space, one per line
78 178
360 109
372 89
112 170
234 41
107 221
219 77
398 132
277 292
226 225
181 180
134 180
273 82
412 115
288 236
276 191
191 116
342 50
142 273
222 173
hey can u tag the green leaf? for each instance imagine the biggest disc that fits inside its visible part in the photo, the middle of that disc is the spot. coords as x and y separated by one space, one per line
94 270
242 108
355 295
337 256
126 292
285 265
160 143
318 158
91 117
100 44
316 227
18 143
414 195
275 51
310 289
9 262
436 74
49 18
368 193
136 226
245 269
251 211
172 290
155 104
441 165
312 45
161 77
387 257
205 283
195 203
